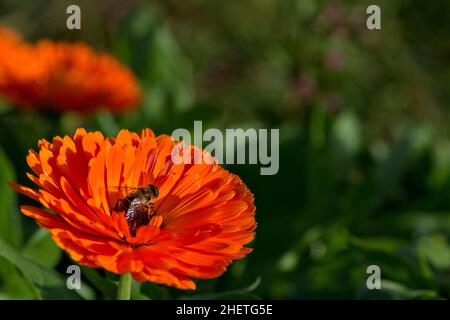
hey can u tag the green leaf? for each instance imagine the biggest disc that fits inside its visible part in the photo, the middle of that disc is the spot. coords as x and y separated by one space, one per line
387 245
393 290
136 292
10 228
436 250
155 291
42 249
13 285
239 294
50 284
147 45
86 292
107 287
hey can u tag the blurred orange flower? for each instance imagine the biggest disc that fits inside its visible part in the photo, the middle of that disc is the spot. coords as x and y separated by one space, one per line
8 38
10 42
200 222
62 76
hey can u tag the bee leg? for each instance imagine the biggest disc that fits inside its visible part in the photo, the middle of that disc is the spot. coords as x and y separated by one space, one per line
121 205
150 209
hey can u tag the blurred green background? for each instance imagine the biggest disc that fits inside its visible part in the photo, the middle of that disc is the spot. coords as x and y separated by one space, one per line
364 137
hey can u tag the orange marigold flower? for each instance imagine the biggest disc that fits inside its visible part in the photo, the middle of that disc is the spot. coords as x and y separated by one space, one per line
62 76
199 223
8 38
10 42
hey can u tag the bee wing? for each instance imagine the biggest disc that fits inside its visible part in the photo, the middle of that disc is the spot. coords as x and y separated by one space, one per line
116 193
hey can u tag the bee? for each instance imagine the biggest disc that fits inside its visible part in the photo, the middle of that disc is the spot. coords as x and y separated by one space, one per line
138 206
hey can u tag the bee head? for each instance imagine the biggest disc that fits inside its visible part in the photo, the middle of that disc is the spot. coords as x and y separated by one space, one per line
151 192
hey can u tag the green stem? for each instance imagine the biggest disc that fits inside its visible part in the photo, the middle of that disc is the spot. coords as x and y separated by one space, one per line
124 290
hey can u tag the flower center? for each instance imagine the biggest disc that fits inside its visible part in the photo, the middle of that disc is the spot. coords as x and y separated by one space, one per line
138 207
